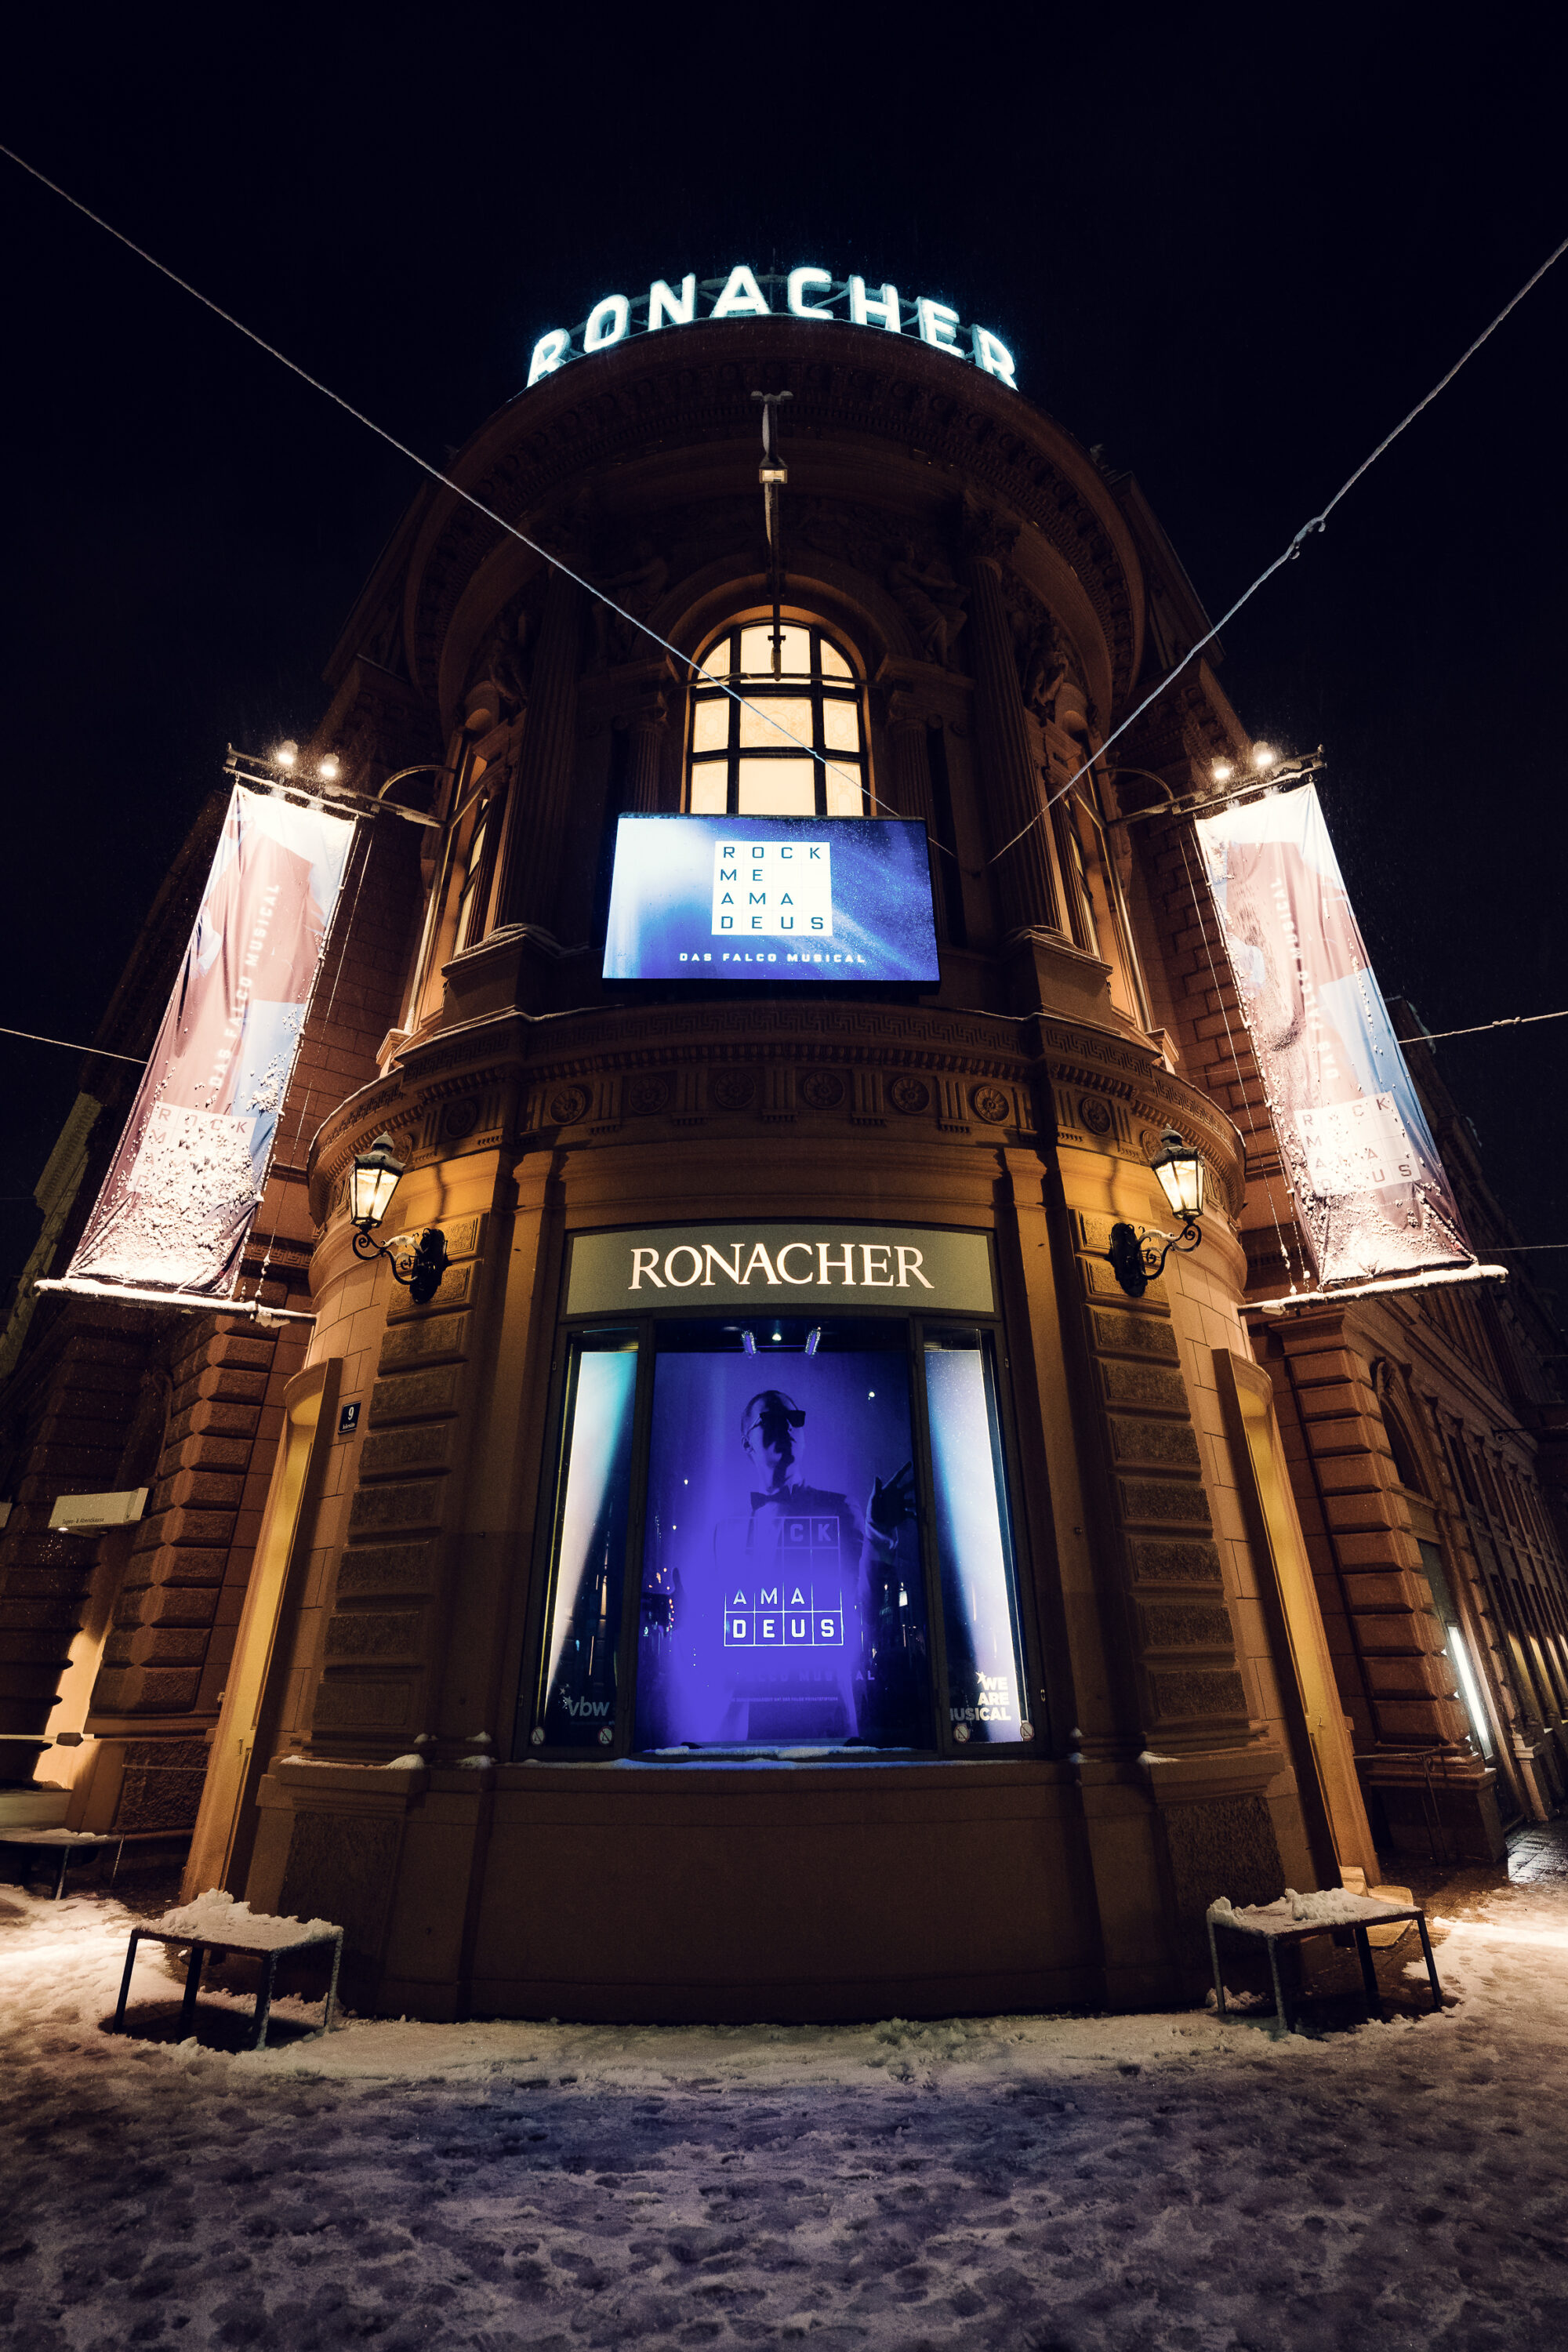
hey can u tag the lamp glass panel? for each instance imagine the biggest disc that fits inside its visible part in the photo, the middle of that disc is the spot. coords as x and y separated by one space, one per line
373 1187
1182 1182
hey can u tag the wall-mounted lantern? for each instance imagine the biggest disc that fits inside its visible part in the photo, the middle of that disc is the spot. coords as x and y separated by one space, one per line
1131 1256
370 1188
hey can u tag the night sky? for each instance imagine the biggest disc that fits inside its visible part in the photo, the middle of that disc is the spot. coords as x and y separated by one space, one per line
1236 267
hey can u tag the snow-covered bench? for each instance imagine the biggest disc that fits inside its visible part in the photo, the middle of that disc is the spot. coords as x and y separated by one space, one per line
217 1923
1294 1918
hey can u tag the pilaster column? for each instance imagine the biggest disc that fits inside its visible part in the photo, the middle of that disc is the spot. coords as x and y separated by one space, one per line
902 714
528 864
646 717
1010 780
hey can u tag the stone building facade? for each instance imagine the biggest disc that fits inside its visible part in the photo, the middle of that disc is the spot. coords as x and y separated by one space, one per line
333 1646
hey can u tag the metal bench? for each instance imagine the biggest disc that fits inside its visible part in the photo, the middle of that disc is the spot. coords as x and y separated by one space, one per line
1275 1924
255 1946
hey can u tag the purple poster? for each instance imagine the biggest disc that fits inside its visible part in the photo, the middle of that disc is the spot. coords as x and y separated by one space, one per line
781 1593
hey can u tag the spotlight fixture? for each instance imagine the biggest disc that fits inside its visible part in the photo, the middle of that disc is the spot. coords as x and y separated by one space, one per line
370 1188
1223 771
1131 1256
286 754
327 769
1264 755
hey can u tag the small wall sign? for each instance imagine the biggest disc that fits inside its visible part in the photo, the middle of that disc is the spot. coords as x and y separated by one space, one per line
348 1419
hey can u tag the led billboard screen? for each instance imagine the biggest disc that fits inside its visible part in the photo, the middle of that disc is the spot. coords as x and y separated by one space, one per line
770 898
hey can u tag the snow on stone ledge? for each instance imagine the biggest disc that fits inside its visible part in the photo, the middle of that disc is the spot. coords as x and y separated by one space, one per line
217 1919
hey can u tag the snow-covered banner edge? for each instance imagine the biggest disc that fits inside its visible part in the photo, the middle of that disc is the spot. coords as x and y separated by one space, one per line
178 1202
1370 1193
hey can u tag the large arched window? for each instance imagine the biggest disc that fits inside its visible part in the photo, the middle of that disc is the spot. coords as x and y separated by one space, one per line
796 746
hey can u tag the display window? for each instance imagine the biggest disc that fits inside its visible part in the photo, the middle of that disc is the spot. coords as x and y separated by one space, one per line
775 1536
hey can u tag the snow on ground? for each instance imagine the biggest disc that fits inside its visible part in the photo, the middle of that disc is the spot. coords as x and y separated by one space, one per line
1033 2184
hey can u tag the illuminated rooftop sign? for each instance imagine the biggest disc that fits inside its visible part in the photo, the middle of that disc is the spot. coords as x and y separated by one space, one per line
804 293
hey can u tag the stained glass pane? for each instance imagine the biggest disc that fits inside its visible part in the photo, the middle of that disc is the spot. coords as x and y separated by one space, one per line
845 797
710 788
985 1684
840 725
757 650
768 724
717 658
778 788
711 723
833 662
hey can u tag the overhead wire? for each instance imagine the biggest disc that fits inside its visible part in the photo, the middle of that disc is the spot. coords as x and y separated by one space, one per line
1319 522
710 676
33 1039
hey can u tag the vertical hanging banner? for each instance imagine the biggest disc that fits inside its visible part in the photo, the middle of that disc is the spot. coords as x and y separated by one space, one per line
177 1205
1370 1189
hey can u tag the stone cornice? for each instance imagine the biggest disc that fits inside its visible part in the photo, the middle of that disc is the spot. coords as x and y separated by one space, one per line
635 1072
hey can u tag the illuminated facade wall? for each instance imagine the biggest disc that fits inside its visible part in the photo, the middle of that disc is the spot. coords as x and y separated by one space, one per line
781 1573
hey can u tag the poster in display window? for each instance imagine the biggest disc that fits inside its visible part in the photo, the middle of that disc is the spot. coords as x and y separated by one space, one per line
803 1549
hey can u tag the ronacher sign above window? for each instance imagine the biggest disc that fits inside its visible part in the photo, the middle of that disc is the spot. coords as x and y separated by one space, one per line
762 1267
804 293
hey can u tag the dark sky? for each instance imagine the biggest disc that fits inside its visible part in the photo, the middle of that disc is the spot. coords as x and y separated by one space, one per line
1234 265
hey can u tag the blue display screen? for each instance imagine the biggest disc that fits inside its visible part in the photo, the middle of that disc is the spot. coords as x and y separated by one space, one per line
772 899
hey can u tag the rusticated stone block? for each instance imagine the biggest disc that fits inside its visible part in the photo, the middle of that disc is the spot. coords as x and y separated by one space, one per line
1419 1723
462 1236
1164 1499
209 1452
1308 1370
1389 1547
386 1569
1164 1444
342 1867
378 1508
147 1690
1340 1474
229 1385
206 1489
180 1604
161 1799
1226 1846
178 1564
1388 1590
390 1450
1185 1625
204 1527
1148 1387
240 1347
455 1286
378 1636
1422 1675
1156 1560
222 1419
424 1341
415 1396
1128 1334
1371 1509
363 1706
1186 1693
169 1645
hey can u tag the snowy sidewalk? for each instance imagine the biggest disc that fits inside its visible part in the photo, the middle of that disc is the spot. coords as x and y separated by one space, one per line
1032 2184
